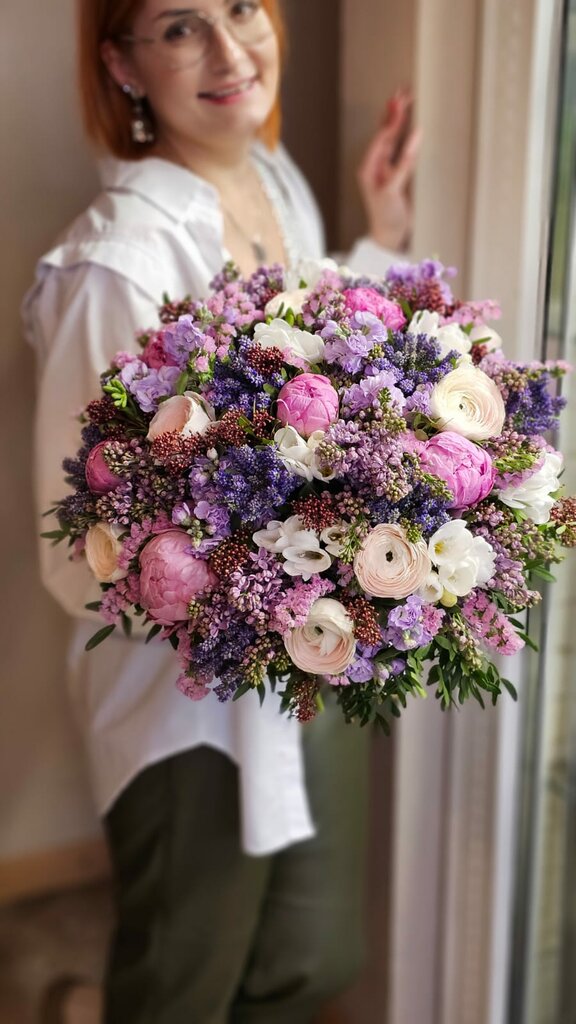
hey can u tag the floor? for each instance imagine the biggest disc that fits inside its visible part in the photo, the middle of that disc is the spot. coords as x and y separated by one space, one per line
46 941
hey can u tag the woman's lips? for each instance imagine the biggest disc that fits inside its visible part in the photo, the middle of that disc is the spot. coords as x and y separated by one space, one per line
229 94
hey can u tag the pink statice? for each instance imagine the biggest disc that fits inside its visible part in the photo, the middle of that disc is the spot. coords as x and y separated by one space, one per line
490 625
293 609
193 687
122 359
120 598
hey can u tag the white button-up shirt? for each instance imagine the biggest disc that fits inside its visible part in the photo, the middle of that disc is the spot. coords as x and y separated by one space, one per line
155 228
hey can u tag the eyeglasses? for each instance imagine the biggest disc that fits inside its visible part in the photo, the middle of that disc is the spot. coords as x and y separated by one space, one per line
186 36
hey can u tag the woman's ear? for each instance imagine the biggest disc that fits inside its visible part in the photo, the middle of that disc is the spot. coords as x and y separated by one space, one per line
119 66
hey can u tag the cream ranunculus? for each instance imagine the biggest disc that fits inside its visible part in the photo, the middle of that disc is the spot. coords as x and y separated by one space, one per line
468 402
325 645
490 338
292 342
534 495
103 548
284 301
389 565
187 414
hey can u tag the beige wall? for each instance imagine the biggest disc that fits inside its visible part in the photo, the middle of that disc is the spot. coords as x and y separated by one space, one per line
47 178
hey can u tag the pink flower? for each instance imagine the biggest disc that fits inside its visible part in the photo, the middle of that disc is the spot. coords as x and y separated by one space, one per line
368 300
187 414
99 476
171 577
389 565
326 644
308 403
155 355
465 467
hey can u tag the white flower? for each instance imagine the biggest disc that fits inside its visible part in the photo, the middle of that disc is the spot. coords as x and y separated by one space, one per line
306 559
451 337
326 644
299 454
463 561
278 535
534 496
468 402
488 336
103 548
290 340
287 300
309 272
333 538
431 590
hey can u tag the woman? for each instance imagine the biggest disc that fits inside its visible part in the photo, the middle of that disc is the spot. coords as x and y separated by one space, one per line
236 840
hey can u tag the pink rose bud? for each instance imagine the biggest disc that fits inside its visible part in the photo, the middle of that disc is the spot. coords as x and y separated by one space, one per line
171 576
99 476
463 466
308 403
368 300
155 355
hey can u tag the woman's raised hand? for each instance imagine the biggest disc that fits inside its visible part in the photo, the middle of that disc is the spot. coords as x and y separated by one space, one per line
385 175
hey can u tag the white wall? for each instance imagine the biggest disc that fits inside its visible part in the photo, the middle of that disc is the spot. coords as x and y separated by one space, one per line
47 177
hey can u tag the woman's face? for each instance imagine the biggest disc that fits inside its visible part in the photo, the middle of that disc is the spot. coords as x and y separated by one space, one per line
205 77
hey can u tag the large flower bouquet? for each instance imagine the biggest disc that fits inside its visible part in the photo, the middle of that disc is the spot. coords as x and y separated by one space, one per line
319 480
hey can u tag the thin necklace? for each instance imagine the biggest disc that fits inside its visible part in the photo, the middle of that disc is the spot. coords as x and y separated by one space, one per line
254 241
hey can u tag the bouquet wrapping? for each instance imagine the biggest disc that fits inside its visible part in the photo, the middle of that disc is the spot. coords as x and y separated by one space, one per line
313 480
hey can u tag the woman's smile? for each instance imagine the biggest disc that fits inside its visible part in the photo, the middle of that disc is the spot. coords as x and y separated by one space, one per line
229 94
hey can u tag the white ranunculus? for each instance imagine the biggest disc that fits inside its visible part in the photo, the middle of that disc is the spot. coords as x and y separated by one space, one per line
451 337
287 300
534 496
279 535
488 336
103 549
468 402
325 645
290 341
309 271
462 560
299 454
306 559
186 414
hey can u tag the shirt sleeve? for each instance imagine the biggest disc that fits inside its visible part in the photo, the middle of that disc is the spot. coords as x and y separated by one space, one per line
76 319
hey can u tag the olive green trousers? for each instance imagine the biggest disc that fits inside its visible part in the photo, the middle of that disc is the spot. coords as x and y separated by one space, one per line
208 935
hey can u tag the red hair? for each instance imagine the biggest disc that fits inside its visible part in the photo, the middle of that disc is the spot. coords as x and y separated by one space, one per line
105 109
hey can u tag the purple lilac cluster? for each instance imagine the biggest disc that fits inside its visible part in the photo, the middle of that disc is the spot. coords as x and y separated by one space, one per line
237 384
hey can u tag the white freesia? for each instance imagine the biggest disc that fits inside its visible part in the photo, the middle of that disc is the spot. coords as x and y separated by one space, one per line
309 272
279 535
306 559
290 341
293 300
534 496
431 590
450 337
299 454
333 538
462 560
488 336
103 549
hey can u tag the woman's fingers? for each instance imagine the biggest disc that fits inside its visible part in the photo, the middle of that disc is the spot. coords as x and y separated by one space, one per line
387 147
404 168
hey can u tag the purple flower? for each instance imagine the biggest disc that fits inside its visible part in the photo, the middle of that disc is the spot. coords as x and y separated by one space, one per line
156 385
181 339
361 670
366 394
412 624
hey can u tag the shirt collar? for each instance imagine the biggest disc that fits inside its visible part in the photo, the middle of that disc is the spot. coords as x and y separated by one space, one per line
172 188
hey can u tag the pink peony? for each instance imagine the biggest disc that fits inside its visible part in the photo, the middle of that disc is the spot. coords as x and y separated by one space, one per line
308 403
171 576
368 300
99 476
465 467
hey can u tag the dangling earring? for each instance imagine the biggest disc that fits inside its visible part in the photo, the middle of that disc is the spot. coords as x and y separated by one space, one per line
142 131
